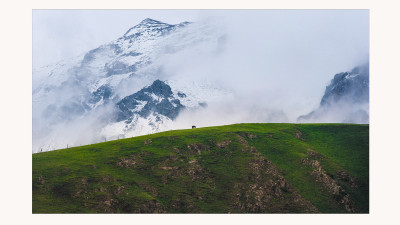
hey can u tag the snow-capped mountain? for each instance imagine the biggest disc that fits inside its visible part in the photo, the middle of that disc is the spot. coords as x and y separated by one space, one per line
121 88
160 76
346 99
156 99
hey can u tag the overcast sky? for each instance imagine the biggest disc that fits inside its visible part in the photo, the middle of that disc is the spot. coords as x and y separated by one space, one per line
277 63
286 56
59 34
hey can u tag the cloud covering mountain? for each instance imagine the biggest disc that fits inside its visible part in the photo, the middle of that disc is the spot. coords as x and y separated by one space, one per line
159 76
346 99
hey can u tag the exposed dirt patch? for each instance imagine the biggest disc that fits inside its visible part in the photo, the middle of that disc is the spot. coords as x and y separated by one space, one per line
107 179
314 155
174 173
174 169
194 170
84 181
41 180
183 203
109 202
223 144
120 190
298 135
259 195
167 168
127 163
350 180
103 182
193 161
148 141
197 147
264 184
246 146
303 203
333 187
135 160
270 135
108 205
263 165
173 158
80 188
242 141
251 136
150 189
178 150
168 163
151 206
103 189
254 150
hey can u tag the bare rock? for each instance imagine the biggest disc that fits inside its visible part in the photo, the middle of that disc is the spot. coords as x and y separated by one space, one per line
223 144
314 155
41 180
127 163
166 168
298 135
152 206
242 141
251 136
197 147
344 176
266 184
328 182
148 141
120 190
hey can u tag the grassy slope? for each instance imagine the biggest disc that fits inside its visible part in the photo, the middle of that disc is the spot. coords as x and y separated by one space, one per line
89 179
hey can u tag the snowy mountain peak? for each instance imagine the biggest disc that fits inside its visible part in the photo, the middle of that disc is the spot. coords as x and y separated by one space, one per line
154 27
346 99
352 86
156 98
149 21
148 26
115 90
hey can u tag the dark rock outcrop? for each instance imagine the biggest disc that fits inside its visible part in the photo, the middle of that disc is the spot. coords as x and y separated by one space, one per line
156 98
346 99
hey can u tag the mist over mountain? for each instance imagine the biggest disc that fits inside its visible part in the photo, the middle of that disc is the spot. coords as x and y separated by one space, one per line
346 99
114 90
160 76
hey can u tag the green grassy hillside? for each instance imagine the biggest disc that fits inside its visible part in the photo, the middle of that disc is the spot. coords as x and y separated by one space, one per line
243 168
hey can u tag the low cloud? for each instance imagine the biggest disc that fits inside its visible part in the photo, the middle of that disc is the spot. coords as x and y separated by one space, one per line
274 64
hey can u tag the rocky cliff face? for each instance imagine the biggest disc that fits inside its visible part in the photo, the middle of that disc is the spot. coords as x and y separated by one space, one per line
122 88
156 99
346 99
116 89
352 87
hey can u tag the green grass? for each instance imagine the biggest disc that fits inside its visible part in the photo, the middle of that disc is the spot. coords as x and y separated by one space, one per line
170 176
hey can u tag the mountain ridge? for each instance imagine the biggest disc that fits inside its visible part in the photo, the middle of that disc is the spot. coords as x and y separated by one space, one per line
86 91
105 75
346 98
